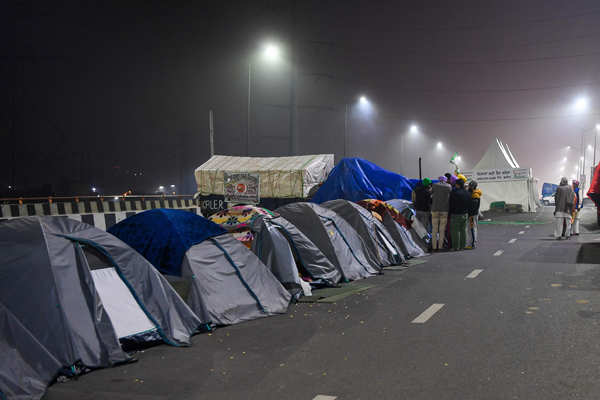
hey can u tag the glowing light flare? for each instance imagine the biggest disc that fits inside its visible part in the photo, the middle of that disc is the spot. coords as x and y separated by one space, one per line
440 145
271 52
414 128
581 104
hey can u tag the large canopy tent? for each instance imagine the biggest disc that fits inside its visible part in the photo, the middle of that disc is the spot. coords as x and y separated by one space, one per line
227 282
380 244
356 179
282 179
396 224
70 296
340 243
502 179
291 256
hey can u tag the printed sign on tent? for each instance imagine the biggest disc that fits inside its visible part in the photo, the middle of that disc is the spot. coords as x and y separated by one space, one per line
497 175
241 187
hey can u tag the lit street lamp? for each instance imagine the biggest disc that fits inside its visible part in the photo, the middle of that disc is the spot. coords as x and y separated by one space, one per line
414 128
365 105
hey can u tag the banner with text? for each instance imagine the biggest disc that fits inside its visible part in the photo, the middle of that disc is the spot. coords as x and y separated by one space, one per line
497 175
241 187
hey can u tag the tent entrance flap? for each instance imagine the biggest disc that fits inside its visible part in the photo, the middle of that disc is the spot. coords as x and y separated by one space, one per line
127 318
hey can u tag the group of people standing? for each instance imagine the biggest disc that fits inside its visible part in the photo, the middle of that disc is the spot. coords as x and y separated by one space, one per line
566 209
449 211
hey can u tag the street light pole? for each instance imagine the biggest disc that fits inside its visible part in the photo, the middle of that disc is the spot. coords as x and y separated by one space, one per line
249 108
346 131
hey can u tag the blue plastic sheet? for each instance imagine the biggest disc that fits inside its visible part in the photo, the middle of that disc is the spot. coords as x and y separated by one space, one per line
548 189
163 236
356 179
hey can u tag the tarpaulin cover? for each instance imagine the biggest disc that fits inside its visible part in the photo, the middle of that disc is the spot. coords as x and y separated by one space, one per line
548 189
164 235
356 179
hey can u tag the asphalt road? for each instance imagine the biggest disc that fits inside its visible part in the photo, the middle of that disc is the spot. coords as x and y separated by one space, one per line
524 327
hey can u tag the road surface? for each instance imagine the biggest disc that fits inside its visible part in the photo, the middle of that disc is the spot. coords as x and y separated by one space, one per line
517 318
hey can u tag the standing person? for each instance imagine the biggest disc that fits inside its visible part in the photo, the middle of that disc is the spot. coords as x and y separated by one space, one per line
564 202
460 201
472 224
422 203
576 208
440 203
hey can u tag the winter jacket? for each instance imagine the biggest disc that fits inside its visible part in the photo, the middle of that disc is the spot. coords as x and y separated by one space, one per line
564 199
440 197
475 202
460 201
422 198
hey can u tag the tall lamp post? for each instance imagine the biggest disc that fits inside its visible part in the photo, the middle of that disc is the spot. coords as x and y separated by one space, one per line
272 54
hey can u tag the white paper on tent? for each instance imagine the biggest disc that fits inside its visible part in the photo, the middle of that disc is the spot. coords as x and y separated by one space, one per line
124 312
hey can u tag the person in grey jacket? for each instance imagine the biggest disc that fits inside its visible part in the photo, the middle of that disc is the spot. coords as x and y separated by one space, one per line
564 202
440 202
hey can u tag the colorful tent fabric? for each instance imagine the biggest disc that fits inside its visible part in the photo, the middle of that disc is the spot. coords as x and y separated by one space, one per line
239 218
355 179
381 208
163 235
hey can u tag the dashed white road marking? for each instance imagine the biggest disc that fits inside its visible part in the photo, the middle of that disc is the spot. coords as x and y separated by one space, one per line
522 232
499 253
527 227
474 273
511 241
324 397
425 315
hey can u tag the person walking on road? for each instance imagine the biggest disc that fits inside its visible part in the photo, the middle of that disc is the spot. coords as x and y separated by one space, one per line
460 202
576 209
440 203
422 203
472 224
564 202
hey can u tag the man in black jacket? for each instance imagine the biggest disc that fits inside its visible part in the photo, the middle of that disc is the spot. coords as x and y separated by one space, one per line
460 202
472 224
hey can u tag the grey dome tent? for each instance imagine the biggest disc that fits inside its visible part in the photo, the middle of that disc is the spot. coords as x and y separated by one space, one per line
290 254
226 282
70 296
380 245
340 243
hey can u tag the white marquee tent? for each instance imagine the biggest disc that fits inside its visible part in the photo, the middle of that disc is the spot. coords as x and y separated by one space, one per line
501 178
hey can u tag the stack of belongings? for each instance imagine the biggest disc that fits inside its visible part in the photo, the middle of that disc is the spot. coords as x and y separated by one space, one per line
380 244
292 257
420 234
75 298
335 237
223 282
238 220
397 225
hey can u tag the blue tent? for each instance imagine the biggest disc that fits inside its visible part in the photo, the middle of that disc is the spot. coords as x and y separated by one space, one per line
163 235
357 179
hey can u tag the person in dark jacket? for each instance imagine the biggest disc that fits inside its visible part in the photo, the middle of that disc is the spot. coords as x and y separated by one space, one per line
460 202
440 197
422 203
472 224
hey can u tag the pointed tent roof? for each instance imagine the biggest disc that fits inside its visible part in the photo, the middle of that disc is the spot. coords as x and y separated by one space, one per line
497 156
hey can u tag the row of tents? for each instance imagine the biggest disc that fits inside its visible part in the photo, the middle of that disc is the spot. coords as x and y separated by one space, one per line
75 298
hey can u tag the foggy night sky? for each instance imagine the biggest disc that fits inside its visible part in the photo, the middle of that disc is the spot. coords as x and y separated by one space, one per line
99 90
